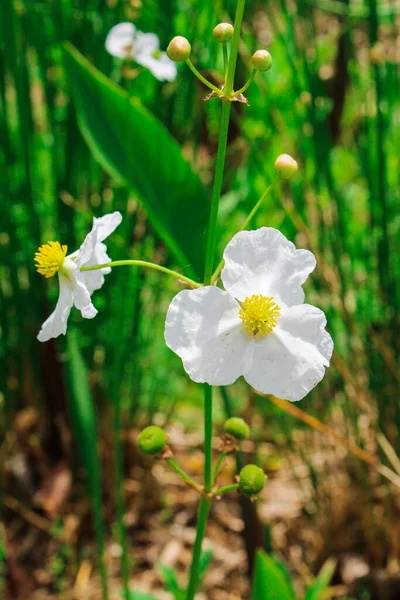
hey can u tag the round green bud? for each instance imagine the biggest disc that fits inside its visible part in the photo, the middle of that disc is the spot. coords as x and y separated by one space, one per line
251 480
223 32
286 166
151 440
237 428
262 60
179 49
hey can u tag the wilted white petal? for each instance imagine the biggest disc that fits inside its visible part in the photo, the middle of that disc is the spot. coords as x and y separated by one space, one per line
163 68
56 324
290 361
120 40
203 327
145 45
82 300
101 229
265 262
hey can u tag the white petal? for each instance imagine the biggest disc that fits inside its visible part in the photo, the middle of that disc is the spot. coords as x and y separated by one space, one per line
290 361
265 262
101 229
145 45
94 280
203 327
82 299
163 68
119 41
56 324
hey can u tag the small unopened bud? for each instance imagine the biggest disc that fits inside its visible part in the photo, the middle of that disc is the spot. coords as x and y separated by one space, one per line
262 60
237 428
223 32
251 480
286 166
179 49
151 440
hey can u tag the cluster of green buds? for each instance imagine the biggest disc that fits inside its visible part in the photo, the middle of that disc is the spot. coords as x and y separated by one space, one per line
152 441
179 50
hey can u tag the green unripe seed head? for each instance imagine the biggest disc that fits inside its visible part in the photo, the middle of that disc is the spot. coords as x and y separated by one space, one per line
237 428
262 60
286 166
179 49
251 480
223 32
151 440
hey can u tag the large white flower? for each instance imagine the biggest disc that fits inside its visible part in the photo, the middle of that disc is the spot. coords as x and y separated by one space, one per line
259 327
76 286
125 41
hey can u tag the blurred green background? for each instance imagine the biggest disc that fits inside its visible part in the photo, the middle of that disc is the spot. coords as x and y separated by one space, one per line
332 100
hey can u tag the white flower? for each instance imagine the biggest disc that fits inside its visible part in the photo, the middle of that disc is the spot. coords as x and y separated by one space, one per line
259 327
76 286
125 41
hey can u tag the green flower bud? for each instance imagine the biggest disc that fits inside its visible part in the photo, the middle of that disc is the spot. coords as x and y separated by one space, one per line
237 428
286 166
262 60
179 49
151 440
251 480
223 32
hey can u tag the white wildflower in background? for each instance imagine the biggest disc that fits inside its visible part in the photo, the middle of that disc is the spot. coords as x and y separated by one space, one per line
259 327
125 41
76 286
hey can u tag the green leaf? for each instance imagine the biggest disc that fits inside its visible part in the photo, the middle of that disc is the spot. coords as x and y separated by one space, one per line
84 423
171 581
271 581
136 149
322 581
141 596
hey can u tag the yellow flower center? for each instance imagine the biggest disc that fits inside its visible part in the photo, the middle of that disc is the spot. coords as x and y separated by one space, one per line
258 314
49 258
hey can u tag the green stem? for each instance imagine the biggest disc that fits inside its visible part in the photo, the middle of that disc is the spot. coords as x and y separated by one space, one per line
246 85
120 501
202 79
186 478
244 226
208 481
148 265
204 509
225 489
219 175
226 62
235 48
218 466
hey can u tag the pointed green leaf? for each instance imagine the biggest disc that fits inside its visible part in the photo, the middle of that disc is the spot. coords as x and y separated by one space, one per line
322 581
135 148
270 580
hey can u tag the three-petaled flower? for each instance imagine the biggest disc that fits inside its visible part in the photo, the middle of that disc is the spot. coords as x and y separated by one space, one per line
125 41
259 327
76 286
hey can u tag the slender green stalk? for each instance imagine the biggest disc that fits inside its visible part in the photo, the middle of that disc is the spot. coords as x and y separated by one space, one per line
219 175
204 509
235 48
201 78
225 55
218 466
244 226
247 84
186 478
120 500
208 481
148 265
226 488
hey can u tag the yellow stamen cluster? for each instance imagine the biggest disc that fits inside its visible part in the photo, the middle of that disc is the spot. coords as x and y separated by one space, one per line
258 314
49 258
